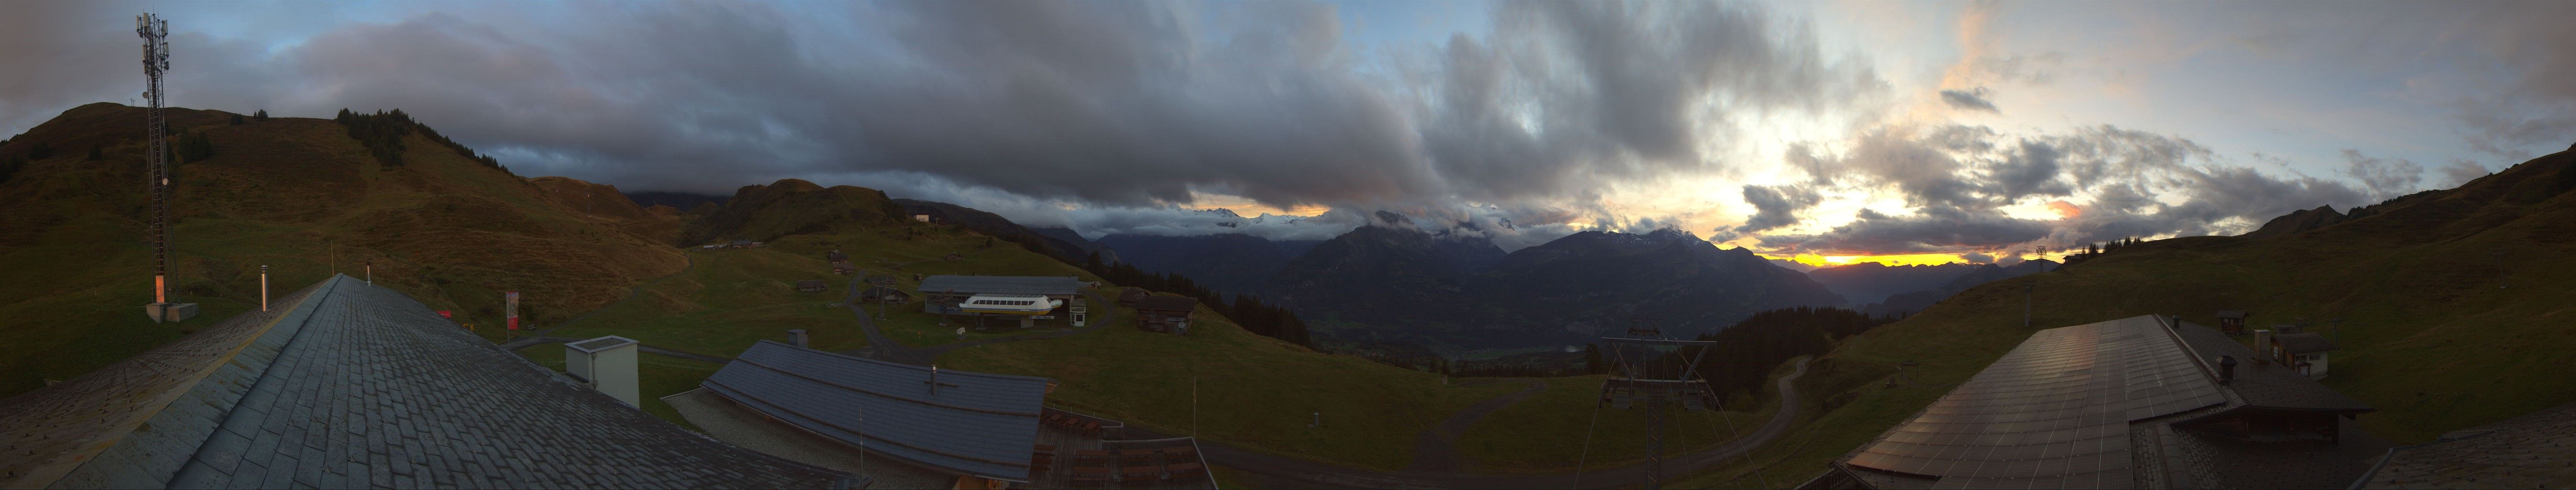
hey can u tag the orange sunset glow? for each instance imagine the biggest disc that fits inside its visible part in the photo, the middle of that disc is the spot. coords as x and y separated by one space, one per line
1899 259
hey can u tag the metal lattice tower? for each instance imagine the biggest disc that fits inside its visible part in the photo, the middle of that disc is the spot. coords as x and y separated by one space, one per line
156 59
1636 369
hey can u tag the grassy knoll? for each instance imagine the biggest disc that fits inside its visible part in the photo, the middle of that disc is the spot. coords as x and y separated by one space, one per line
2439 332
657 376
1250 390
1253 390
729 299
299 196
1545 433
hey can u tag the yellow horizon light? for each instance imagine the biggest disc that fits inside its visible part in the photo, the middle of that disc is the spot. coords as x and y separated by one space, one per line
1891 260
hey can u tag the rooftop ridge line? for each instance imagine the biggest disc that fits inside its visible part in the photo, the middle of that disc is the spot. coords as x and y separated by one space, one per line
54 471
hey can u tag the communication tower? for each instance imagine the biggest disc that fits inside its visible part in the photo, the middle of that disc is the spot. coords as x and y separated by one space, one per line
156 130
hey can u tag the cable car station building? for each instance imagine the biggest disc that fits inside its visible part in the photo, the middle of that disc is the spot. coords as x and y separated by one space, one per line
1018 297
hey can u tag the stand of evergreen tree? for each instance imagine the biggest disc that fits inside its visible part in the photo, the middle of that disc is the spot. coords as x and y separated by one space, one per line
382 133
1246 310
1747 351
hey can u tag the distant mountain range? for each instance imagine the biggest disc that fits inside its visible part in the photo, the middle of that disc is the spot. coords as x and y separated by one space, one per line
1397 284
1871 282
1229 262
1908 303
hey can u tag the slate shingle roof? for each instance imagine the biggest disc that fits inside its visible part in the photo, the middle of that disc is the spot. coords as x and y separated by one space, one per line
2052 413
1167 303
969 423
2094 406
355 386
2537 450
1058 286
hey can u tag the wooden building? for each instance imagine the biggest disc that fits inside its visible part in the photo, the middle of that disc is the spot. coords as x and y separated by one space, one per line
812 285
2303 352
2232 322
1169 314
1127 296
882 294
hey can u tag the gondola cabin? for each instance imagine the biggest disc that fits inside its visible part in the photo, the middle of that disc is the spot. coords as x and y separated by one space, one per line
1010 304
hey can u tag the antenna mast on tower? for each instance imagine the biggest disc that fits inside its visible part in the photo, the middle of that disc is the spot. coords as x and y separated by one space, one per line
156 59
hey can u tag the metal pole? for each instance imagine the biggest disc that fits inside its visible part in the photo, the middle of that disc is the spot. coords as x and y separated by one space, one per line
263 288
2026 289
156 59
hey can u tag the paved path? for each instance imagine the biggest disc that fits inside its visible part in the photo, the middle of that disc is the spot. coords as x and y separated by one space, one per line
1437 448
1293 472
883 348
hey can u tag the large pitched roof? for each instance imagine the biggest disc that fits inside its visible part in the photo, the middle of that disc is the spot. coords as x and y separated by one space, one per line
2093 406
1167 303
1002 284
351 385
2536 450
969 423
2052 413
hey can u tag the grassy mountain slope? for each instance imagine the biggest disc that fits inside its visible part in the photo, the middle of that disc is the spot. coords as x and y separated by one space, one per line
2454 307
303 197
789 207
1250 390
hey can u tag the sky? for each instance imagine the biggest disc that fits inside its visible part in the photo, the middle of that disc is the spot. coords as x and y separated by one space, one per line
1856 131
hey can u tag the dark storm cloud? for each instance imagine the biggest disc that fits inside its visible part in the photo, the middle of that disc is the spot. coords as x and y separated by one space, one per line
1776 206
1973 100
2534 49
1571 94
1959 179
1096 104
2461 171
1930 229
2383 177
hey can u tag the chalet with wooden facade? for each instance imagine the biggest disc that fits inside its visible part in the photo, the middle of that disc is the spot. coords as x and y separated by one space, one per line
1169 314
2232 322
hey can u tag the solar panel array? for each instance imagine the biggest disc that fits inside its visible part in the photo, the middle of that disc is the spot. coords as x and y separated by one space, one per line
2053 413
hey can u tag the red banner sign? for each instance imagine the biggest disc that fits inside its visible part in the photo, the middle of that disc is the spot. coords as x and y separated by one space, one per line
446 314
510 308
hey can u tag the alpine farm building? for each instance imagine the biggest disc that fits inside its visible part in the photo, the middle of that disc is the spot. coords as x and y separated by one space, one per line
348 385
2142 402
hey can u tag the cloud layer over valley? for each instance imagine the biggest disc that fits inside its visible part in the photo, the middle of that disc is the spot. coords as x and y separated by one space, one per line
1839 129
